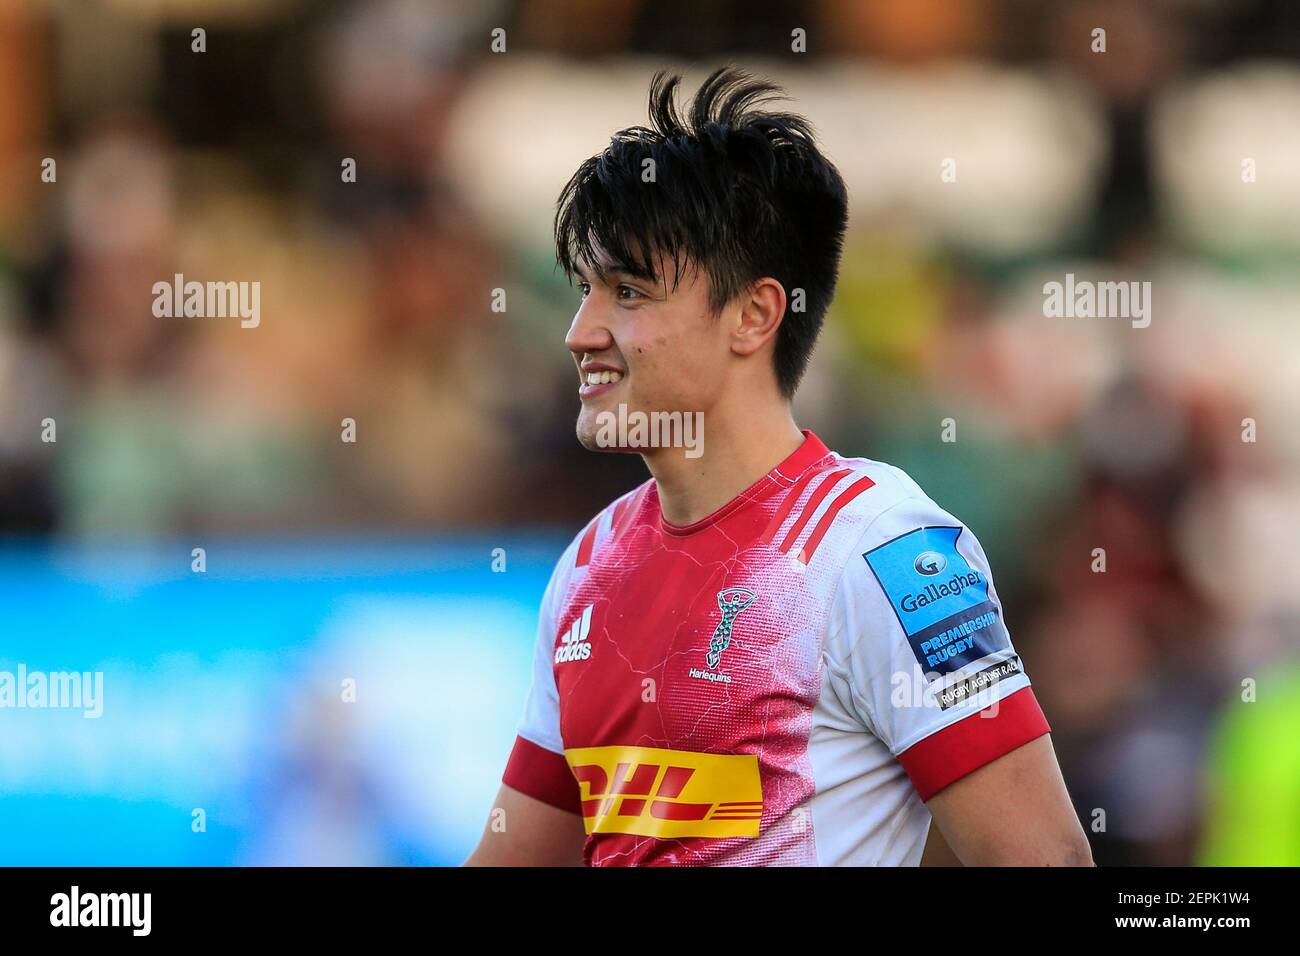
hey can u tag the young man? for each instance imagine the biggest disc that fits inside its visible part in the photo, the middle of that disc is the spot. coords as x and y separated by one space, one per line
768 653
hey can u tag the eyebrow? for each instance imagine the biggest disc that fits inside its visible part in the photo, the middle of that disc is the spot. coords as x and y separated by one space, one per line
614 270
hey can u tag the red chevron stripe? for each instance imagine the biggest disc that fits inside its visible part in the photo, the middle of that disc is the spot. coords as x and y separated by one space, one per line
585 546
787 504
816 499
824 525
624 512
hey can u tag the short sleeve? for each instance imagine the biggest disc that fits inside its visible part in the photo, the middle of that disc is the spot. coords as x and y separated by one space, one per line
919 632
537 766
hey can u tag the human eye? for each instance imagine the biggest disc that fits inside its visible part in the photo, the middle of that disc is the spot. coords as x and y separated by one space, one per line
629 294
584 288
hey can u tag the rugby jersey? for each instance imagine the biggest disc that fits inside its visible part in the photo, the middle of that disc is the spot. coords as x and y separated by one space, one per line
784 682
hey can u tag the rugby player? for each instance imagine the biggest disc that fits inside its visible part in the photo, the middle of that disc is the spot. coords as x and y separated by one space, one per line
766 654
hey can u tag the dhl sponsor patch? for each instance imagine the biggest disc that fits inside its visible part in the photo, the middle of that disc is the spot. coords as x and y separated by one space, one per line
667 793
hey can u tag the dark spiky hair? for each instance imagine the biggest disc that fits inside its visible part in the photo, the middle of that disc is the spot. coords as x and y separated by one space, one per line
739 191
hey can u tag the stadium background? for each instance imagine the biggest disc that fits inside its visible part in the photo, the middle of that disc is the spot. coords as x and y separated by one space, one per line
373 560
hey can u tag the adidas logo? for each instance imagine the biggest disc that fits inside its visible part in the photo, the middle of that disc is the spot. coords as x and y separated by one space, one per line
574 645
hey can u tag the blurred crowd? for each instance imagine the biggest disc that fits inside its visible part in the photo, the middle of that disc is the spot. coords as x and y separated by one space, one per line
1136 488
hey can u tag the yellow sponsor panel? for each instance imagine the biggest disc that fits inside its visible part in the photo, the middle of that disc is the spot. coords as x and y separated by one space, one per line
669 794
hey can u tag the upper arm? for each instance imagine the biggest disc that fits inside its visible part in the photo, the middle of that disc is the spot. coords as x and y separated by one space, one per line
537 817
933 674
523 831
1013 811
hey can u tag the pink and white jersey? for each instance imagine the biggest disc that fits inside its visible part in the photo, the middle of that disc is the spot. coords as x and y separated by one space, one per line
782 683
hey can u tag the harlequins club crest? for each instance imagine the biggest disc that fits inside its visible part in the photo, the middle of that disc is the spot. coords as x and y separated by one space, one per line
731 601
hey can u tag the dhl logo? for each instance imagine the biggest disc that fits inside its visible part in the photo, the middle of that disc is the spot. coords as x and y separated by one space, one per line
667 793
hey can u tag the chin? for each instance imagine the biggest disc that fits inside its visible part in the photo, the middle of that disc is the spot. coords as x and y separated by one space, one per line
588 430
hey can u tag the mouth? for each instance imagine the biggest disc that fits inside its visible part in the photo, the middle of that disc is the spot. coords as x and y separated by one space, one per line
598 381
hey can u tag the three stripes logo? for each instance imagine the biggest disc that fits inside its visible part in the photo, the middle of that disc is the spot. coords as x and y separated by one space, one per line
667 793
573 644
803 553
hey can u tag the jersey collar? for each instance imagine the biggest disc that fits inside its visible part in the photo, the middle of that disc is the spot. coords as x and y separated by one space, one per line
809 453
783 475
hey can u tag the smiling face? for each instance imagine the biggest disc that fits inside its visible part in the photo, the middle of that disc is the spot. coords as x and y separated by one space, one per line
646 345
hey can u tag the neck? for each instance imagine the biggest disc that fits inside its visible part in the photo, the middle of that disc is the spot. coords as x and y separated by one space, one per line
740 449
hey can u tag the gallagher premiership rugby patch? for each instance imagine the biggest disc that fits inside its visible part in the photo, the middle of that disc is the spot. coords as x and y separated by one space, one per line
941 601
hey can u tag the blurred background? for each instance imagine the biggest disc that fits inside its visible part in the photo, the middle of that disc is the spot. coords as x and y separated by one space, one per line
1171 679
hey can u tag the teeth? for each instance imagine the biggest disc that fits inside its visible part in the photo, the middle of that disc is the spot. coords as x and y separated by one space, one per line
603 378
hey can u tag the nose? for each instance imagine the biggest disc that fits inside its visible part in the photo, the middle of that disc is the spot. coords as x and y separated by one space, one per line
588 333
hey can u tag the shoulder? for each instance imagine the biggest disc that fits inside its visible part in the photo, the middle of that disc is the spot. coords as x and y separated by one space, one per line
911 562
599 531
837 502
897 516
884 539
891 505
